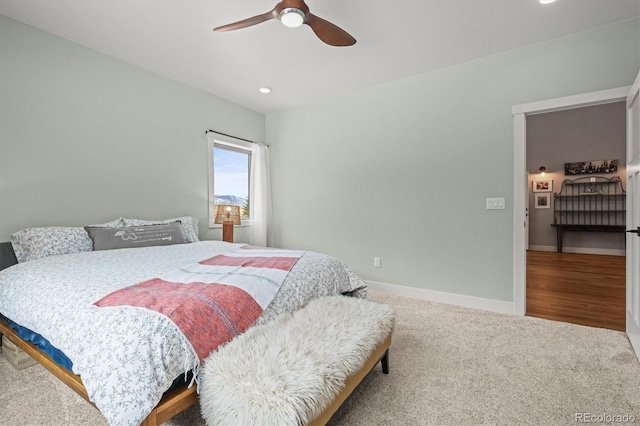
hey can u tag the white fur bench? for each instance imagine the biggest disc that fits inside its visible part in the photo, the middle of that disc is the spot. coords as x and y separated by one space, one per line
298 368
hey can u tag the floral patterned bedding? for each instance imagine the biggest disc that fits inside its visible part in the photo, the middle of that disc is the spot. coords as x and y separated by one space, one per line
128 356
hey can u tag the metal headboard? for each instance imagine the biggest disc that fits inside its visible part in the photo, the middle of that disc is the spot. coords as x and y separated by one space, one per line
7 256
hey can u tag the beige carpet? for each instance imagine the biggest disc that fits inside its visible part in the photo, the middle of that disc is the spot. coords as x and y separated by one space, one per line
449 366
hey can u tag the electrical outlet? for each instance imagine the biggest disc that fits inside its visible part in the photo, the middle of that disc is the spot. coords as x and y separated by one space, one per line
376 262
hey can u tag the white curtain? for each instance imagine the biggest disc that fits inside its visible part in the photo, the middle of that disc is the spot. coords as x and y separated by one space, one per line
261 229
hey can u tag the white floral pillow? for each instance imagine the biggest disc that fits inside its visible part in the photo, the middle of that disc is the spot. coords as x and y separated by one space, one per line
34 243
189 225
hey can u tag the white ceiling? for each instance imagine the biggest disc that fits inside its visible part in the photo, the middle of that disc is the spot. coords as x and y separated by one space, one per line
396 39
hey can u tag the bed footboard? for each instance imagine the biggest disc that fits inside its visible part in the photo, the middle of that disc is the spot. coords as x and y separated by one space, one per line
171 404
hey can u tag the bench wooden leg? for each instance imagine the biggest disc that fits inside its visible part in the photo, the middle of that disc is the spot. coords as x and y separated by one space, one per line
385 362
380 354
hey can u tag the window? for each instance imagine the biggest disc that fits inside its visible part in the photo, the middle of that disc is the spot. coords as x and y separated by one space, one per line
229 166
231 178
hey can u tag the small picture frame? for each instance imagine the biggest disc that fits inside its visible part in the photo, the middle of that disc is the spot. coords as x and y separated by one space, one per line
543 201
543 185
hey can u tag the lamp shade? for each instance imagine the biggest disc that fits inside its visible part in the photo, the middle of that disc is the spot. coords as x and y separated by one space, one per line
225 213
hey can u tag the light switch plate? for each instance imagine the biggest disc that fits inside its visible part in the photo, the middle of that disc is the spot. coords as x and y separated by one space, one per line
495 204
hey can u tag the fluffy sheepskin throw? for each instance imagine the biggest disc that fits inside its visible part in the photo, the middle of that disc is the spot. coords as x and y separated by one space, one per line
287 371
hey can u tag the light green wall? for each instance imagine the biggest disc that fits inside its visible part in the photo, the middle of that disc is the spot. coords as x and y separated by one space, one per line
85 138
401 171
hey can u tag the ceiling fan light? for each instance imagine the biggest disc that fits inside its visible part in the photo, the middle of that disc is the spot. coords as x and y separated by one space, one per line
291 17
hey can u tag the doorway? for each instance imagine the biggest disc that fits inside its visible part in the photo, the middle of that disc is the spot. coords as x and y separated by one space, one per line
521 183
585 284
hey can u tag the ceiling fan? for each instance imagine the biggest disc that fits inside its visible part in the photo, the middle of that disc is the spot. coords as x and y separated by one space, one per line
293 13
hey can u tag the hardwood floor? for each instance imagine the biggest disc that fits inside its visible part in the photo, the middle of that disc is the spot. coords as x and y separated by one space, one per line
583 289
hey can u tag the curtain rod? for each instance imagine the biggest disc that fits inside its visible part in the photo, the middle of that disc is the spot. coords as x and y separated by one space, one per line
231 136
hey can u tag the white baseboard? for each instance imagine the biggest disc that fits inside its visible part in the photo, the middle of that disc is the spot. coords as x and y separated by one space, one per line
443 297
581 250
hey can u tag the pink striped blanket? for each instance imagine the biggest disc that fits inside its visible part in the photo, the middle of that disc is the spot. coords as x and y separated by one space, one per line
216 299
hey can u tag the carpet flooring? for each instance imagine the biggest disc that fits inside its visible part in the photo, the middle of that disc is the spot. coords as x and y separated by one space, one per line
449 366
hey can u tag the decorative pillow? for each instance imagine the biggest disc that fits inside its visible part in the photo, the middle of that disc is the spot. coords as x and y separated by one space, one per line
189 225
118 223
136 236
34 243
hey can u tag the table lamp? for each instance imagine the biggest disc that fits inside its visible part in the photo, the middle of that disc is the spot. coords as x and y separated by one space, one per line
227 216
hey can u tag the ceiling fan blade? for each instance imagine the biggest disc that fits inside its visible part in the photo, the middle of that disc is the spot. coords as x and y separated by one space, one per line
330 33
248 22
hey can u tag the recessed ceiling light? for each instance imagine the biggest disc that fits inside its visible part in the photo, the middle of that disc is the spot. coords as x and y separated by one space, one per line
546 1
265 90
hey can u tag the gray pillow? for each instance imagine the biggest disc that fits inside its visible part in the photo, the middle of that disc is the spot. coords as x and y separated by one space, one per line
136 236
189 225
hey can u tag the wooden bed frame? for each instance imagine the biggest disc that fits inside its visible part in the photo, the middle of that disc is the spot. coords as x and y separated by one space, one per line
171 404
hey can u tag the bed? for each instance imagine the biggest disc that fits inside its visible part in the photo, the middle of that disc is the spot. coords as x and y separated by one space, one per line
125 358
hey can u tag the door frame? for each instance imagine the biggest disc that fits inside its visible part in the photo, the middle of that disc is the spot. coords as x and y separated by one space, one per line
520 185
632 172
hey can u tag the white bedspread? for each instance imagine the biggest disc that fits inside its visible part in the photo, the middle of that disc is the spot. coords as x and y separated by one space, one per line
126 356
